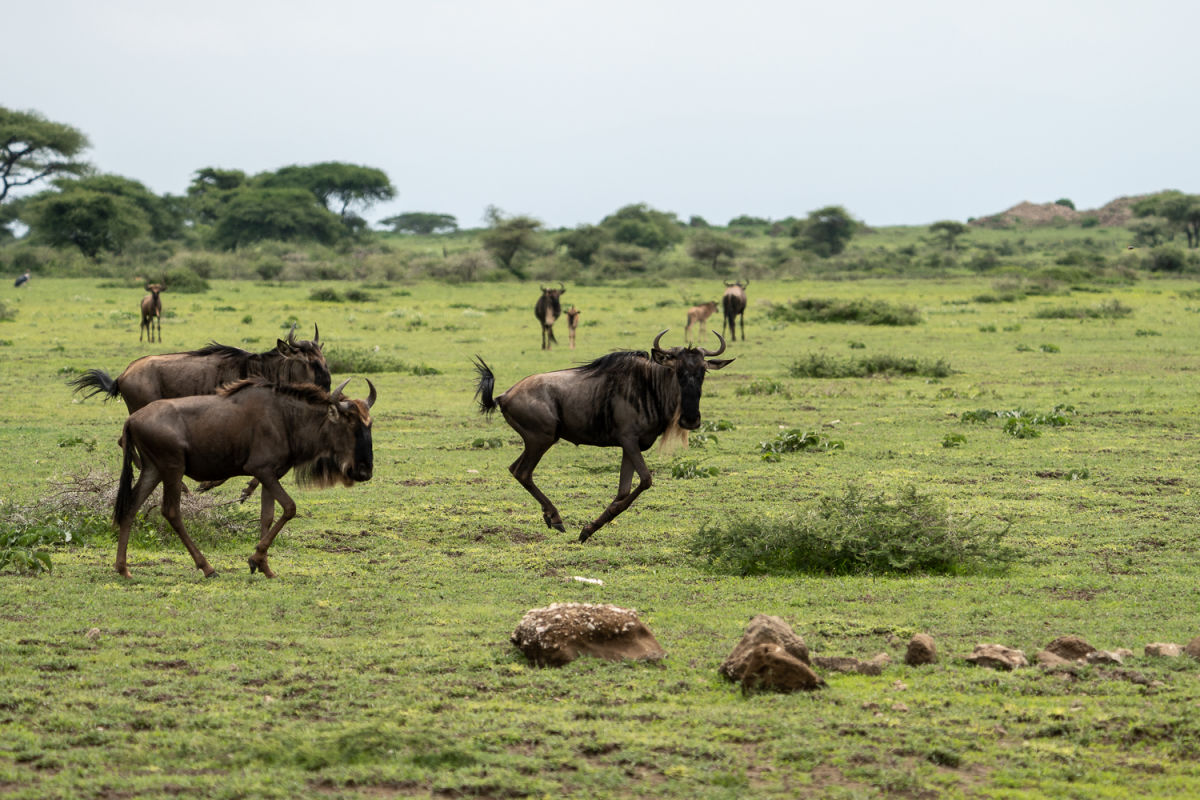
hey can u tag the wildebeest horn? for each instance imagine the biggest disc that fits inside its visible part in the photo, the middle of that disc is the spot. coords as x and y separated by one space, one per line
336 394
371 396
709 353
316 335
656 340
561 288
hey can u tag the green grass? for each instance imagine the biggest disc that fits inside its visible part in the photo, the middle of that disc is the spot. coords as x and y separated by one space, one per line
378 663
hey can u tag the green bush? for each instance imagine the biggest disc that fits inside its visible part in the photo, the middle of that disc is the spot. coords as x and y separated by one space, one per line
1114 309
795 440
858 532
818 365
862 312
346 360
183 280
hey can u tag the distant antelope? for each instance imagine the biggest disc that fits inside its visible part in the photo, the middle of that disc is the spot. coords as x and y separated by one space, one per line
572 324
547 311
734 303
152 312
698 315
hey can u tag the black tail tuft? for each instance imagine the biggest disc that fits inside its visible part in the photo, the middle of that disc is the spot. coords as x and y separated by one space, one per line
125 488
98 381
483 389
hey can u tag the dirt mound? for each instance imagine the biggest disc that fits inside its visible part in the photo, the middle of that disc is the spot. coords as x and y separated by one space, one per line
1115 213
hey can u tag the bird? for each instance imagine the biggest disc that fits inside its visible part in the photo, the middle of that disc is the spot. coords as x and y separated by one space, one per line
22 280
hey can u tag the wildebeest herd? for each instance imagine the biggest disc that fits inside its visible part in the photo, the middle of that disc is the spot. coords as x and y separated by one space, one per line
219 412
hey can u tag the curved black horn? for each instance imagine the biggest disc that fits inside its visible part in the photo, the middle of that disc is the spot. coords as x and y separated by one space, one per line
708 353
336 394
729 283
291 337
561 287
316 335
371 395
656 340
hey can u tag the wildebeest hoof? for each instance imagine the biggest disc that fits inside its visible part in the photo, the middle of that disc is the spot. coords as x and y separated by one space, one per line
587 531
553 523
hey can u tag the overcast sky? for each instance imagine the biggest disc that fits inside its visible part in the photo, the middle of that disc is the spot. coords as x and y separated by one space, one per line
903 112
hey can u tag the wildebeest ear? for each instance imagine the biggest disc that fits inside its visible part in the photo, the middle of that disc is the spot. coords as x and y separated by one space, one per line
282 346
718 363
662 356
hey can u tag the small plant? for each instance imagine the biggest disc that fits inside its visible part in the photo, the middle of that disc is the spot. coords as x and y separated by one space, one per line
1146 332
1049 348
761 387
953 440
78 441
858 532
371 360
248 320
1021 428
690 468
7 314
324 294
819 365
709 425
490 443
857 345
989 328
702 440
1113 309
795 440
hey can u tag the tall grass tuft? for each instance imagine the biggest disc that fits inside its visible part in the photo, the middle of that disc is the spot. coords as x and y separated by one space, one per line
858 532
819 365
347 360
1114 309
862 312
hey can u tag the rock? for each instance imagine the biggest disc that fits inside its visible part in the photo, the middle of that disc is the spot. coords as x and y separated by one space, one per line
764 629
837 663
921 650
1072 648
1124 652
875 665
561 632
1164 649
1192 648
997 656
1104 657
1050 660
769 666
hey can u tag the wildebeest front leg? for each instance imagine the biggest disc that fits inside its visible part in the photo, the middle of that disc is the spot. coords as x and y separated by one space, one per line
271 490
626 492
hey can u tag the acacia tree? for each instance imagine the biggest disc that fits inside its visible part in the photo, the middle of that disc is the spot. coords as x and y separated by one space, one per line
826 231
421 222
507 237
948 230
1181 211
253 214
710 247
210 190
33 148
94 221
336 185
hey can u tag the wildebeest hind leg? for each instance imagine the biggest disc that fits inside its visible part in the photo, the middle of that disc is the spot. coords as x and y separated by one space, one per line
146 483
172 489
630 461
522 470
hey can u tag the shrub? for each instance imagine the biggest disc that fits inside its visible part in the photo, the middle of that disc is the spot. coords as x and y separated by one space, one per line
863 312
691 468
762 386
366 360
858 532
1114 309
796 439
183 280
818 365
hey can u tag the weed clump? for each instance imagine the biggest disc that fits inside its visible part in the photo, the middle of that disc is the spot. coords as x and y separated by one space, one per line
858 532
819 365
796 440
1021 423
862 312
364 360
1114 309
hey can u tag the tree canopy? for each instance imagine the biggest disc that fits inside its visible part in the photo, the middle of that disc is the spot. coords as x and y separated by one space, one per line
33 148
826 231
255 214
421 222
643 226
94 221
336 185
508 236
1181 212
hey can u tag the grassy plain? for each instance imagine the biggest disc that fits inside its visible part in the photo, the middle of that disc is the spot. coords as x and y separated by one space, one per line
378 665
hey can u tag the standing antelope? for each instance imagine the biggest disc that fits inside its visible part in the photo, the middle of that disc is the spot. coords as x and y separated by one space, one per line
698 315
547 310
152 312
625 399
734 303
572 324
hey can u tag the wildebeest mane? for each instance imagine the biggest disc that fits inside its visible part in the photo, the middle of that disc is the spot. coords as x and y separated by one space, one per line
649 387
308 392
613 362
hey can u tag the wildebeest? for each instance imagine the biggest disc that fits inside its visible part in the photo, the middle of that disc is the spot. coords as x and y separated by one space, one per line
152 312
203 371
734 306
547 310
572 323
625 399
22 279
698 315
248 428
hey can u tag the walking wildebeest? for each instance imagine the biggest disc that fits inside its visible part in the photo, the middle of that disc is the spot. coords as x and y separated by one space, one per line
625 399
698 315
734 303
203 371
152 312
547 310
572 323
248 428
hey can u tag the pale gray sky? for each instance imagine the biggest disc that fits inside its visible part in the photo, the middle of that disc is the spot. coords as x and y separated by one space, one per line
903 112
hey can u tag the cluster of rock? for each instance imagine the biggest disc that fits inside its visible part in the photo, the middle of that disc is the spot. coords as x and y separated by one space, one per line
771 656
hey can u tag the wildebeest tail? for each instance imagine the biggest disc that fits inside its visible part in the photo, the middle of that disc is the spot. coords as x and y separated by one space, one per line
483 389
98 381
125 487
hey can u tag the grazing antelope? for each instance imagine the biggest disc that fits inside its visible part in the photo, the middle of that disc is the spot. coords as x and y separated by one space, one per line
152 312
734 303
572 324
625 399
547 311
698 315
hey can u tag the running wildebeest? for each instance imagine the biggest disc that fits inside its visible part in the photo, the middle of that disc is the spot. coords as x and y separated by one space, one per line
698 315
152 312
203 371
248 428
734 303
22 279
625 399
547 310
572 323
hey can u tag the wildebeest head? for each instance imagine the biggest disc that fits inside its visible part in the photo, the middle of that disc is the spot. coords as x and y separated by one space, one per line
349 456
552 308
690 365
307 356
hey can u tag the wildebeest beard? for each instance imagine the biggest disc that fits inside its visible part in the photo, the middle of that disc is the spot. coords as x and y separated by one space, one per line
323 473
